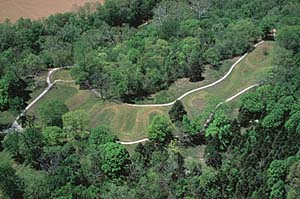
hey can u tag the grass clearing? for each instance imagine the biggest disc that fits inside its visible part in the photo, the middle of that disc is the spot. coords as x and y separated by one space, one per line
183 85
131 123
62 74
251 70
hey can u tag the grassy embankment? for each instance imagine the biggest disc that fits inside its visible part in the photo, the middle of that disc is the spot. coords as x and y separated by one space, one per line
131 122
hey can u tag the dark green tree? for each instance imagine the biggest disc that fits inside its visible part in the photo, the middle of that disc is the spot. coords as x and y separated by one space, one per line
31 144
51 112
115 160
101 135
177 112
10 183
289 38
11 143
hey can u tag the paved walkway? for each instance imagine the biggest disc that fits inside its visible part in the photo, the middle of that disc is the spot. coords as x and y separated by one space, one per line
207 121
50 85
200 88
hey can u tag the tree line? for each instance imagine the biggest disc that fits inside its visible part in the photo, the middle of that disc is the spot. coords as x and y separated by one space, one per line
255 155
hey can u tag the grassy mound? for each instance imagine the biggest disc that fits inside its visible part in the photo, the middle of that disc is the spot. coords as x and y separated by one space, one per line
131 122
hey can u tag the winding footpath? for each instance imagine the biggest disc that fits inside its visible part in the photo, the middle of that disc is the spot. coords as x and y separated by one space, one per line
209 118
200 88
17 126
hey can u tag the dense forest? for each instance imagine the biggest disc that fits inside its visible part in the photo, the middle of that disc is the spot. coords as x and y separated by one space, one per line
128 50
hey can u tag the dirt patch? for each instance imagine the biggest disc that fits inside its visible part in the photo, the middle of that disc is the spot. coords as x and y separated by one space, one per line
34 9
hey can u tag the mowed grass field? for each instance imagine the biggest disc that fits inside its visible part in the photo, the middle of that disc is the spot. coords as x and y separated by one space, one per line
183 85
131 123
248 72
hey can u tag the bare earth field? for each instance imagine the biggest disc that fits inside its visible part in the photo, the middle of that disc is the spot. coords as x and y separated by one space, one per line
34 9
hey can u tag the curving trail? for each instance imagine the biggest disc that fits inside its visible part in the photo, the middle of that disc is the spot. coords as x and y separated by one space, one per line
207 121
51 84
15 124
133 142
200 88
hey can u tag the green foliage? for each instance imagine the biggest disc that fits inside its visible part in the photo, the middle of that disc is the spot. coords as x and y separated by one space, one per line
115 159
51 112
177 112
10 184
13 93
160 129
251 108
11 143
31 145
220 129
101 135
122 62
212 56
289 38
278 190
75 120
276 172
36 183
191 126
293 179
238 37
54 135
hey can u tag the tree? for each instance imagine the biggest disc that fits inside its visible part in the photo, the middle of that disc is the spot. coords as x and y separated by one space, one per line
51 112
32 65
115 159
13 92
56 52
190 56
31 144
220 129
75 120
10 183
200 6
54 135
278 190
116 12
293 178
196 70
177 112
289 38
250 109
101 135
276 172
36 183
212 56
237 38
213 156
160 129
11 143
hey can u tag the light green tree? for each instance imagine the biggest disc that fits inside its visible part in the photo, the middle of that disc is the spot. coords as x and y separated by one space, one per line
160 129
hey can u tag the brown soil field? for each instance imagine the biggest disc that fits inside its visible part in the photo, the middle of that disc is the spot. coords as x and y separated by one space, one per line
34 9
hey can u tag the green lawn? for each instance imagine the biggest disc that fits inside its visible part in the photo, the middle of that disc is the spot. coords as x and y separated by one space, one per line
131 122
183 85
63 74
252 69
